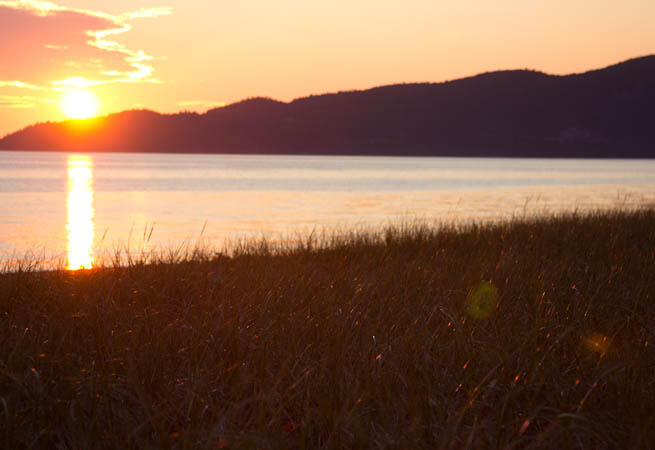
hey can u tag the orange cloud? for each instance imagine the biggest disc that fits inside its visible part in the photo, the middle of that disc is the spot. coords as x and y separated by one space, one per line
20 101
18 84
52 47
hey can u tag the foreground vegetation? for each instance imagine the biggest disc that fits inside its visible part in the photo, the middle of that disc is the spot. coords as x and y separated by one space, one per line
527 334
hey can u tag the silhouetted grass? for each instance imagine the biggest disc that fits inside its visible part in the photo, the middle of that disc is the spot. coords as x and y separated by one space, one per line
363 340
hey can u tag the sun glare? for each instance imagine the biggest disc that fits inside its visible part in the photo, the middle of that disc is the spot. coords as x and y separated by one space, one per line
80 105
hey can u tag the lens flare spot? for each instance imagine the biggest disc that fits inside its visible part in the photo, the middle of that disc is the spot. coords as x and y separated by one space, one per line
482 301
597 343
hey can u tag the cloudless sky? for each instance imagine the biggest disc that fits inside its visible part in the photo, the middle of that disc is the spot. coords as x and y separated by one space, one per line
198 54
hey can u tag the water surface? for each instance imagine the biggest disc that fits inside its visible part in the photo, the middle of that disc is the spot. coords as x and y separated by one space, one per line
70 208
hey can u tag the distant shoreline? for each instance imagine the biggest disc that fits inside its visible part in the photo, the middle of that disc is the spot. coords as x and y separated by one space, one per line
354 155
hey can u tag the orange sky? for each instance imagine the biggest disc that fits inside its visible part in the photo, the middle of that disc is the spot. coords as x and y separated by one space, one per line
169 55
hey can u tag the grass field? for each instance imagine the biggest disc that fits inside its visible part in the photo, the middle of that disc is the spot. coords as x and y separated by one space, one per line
536 333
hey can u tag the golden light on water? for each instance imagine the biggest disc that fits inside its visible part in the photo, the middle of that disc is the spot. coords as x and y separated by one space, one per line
79 202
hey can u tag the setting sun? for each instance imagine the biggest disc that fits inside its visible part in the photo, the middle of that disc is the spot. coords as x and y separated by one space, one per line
80 105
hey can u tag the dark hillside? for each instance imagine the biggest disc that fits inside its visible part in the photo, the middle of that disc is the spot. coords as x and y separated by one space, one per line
601 113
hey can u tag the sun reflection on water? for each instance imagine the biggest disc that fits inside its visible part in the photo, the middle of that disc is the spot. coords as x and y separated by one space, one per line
79 204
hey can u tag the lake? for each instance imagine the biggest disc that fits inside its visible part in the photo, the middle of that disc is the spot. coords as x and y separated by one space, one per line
71 209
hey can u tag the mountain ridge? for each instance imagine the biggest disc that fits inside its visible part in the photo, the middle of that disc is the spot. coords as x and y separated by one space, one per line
604 112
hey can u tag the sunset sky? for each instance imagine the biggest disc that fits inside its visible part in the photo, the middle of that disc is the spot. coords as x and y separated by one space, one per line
171 55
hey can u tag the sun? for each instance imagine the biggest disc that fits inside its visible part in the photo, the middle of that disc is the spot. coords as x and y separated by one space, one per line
80 104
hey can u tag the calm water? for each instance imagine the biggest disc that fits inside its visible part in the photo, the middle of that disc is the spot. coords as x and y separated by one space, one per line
72 207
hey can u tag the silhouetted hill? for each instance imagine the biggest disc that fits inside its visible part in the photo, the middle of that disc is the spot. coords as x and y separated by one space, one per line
602 113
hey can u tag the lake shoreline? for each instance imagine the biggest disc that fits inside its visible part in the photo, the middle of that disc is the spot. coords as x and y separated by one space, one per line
535 331
399 155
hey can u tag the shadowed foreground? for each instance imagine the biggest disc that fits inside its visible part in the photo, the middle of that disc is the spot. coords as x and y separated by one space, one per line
536 333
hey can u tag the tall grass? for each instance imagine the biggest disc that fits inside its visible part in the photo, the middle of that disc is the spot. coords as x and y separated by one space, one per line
367 340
